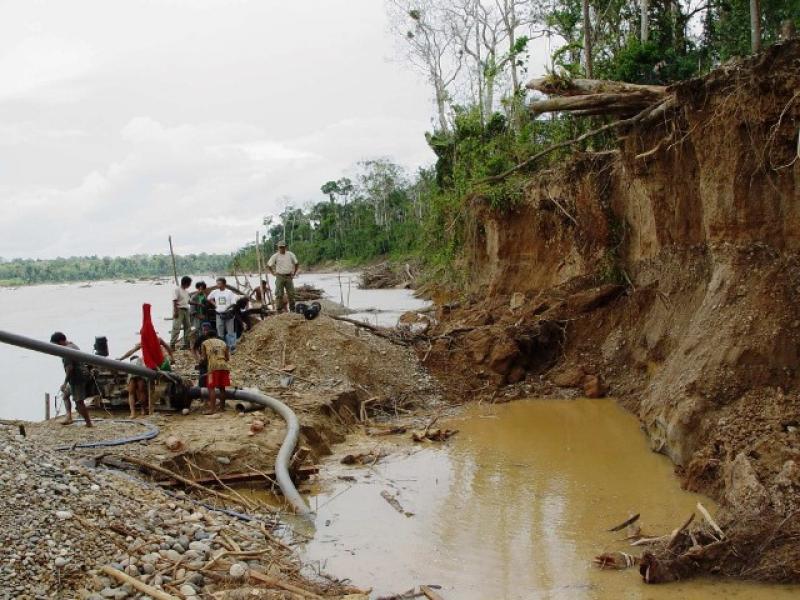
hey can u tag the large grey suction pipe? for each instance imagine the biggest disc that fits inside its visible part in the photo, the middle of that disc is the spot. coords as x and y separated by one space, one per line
292 424
77 355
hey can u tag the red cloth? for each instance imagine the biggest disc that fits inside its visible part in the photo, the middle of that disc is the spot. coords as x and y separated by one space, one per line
151 347
218 379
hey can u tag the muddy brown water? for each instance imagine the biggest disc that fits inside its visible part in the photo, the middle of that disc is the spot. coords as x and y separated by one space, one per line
514 506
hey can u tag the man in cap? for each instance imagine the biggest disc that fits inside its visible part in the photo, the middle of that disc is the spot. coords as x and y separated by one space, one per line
283 265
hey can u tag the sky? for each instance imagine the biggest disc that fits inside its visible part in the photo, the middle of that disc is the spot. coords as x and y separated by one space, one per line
125 121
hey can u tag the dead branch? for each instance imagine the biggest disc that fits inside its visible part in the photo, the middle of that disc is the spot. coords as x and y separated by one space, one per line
642 116
173 475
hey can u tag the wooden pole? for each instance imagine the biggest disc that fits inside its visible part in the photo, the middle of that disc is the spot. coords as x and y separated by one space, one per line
47 407
260 271
174 266
267 288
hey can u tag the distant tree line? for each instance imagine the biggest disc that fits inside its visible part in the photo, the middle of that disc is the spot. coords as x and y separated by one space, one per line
25 271
377 212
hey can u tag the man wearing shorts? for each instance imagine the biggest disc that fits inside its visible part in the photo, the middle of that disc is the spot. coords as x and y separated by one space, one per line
77 378
218 355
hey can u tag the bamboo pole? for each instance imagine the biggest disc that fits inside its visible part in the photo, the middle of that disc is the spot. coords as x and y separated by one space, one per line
174 266
268 289
261 285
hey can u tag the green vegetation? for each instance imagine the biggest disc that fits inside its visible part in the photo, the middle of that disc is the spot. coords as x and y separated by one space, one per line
92 268
483 126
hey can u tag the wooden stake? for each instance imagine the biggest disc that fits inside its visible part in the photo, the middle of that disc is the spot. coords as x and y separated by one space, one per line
174 266
47 407
135 583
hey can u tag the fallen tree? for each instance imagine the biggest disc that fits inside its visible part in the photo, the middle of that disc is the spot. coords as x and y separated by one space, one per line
593 96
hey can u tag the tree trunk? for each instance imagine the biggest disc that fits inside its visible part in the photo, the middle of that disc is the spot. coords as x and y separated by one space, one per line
755 25
587 40
441 99
644 6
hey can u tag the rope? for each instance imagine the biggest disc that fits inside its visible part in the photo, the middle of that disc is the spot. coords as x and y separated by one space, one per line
151 432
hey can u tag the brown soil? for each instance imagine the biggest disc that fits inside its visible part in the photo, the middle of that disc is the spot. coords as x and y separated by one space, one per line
672 278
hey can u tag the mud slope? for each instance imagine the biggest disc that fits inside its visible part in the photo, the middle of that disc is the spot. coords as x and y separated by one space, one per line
670 269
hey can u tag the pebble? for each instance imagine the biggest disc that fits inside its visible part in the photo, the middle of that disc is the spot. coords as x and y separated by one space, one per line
63 515
200 547
187 590
60 562
238 570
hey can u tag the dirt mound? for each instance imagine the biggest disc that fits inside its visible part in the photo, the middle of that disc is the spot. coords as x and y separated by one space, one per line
668 269
326 354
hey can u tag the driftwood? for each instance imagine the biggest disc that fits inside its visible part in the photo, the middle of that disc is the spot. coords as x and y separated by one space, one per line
428 592
136 584
379 331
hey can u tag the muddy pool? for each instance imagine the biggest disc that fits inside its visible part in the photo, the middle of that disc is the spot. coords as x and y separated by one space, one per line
514 506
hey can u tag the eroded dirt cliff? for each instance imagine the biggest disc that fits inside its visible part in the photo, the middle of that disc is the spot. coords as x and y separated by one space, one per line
668 270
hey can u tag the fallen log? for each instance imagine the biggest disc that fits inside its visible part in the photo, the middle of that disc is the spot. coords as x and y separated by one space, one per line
556 86
600 103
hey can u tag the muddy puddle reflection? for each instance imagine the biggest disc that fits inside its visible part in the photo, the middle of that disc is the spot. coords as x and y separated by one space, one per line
514 506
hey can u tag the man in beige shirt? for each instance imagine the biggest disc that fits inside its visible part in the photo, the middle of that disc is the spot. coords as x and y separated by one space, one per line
283 265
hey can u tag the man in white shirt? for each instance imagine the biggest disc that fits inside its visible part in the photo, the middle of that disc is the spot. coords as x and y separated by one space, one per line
223 301
283 265
180 313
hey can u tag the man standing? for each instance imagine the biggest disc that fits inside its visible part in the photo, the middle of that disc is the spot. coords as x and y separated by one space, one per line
217 355
77 378
223 301
198 303
180 313
283 265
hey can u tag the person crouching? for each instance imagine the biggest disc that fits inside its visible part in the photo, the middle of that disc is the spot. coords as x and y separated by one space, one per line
218 356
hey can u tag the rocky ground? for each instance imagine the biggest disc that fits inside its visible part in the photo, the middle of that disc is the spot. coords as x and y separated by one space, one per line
63 524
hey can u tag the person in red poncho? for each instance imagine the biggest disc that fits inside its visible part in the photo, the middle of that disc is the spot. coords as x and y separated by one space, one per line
152 357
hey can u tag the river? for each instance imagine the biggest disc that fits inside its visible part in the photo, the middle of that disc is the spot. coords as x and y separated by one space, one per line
113 309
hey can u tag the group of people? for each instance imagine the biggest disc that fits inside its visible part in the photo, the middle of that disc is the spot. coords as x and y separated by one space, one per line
211 342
